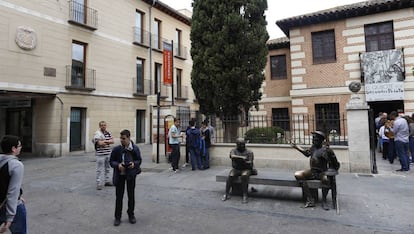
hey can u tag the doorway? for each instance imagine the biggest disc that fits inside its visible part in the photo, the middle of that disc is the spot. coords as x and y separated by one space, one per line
140 124
386 106
77 129
19 123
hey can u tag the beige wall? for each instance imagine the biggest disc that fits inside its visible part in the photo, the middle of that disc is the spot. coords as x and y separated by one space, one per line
110 52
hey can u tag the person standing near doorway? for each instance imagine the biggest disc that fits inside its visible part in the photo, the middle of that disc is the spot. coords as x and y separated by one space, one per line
401 134
13 214
102 140
174 136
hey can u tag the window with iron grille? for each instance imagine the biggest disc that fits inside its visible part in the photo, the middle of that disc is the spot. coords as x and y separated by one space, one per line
280 118
327 118
323 47
278 67
379 36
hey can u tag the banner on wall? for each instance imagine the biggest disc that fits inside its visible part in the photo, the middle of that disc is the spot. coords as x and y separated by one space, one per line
168 63
383 75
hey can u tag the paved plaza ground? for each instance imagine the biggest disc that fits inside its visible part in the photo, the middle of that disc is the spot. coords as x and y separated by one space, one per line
62 198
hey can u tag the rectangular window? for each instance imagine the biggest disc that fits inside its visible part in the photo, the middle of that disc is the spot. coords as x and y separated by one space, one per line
323 47
379 36
179 88
78 64
328 118
157 75
178 41
278 68
157 34
140 75
139 27
78 11
280 118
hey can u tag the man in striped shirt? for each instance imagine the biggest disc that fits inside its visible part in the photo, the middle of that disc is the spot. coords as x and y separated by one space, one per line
102 140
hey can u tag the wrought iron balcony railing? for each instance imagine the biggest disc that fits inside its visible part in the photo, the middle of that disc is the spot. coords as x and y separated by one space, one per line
82 15
80 79
181 92
141 87
141 37
180 51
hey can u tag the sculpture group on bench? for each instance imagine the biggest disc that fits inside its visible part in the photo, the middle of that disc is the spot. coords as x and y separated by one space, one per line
323 164
242 163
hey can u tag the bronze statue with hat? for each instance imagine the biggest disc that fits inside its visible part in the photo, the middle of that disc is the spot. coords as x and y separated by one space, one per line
323 162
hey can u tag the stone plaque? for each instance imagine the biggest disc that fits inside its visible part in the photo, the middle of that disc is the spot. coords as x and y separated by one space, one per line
26 38
49 71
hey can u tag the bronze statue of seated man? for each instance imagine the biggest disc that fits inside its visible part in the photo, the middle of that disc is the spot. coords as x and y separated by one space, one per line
323 162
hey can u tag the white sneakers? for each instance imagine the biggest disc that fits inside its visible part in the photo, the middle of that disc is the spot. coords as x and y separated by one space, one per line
184 165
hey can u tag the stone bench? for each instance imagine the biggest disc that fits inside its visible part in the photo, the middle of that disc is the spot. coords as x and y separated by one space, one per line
287 180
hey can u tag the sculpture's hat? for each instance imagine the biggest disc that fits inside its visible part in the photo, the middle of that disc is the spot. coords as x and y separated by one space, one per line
319 133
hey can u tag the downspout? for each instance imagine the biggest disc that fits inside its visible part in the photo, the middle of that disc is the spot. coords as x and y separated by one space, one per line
61 126
150 75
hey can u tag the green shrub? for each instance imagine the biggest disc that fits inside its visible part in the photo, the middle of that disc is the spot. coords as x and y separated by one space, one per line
267 135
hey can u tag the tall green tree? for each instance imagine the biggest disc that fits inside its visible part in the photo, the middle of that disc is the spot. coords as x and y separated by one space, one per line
228 48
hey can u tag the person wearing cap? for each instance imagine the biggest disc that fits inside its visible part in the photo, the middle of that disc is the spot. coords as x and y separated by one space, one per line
242 163
321 159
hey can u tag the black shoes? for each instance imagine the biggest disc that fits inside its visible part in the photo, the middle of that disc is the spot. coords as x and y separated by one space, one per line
132 219
117 222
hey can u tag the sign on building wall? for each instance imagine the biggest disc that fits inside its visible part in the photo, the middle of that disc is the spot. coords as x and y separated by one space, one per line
383 75
168 63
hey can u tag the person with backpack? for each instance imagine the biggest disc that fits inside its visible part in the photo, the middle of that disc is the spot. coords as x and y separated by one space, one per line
193 139
13 214
126 161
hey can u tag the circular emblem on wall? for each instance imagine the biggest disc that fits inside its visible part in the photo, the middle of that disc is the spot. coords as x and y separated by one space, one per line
26 38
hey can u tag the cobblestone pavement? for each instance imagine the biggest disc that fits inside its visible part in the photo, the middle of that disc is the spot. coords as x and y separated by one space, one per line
62 198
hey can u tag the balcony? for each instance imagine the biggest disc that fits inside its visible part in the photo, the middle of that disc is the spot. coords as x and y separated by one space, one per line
141 87
165 91
80 79
141 37
180 51
83 16
181 92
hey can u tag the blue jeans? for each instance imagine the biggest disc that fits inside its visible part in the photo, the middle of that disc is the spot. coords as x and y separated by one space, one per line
206 158
402 150
412 148
175 156
19 224
195 158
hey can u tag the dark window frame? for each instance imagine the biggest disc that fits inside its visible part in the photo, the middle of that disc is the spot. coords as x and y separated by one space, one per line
278 67
140 88
324 47
327 117
79 69
281 118
379 36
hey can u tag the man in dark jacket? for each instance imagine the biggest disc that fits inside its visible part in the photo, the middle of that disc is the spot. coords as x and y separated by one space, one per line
126 161
193 139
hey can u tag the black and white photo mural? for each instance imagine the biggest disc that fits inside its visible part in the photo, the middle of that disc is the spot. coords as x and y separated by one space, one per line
383 75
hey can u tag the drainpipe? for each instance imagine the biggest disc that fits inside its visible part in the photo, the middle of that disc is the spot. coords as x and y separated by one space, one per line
61 126
158 93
